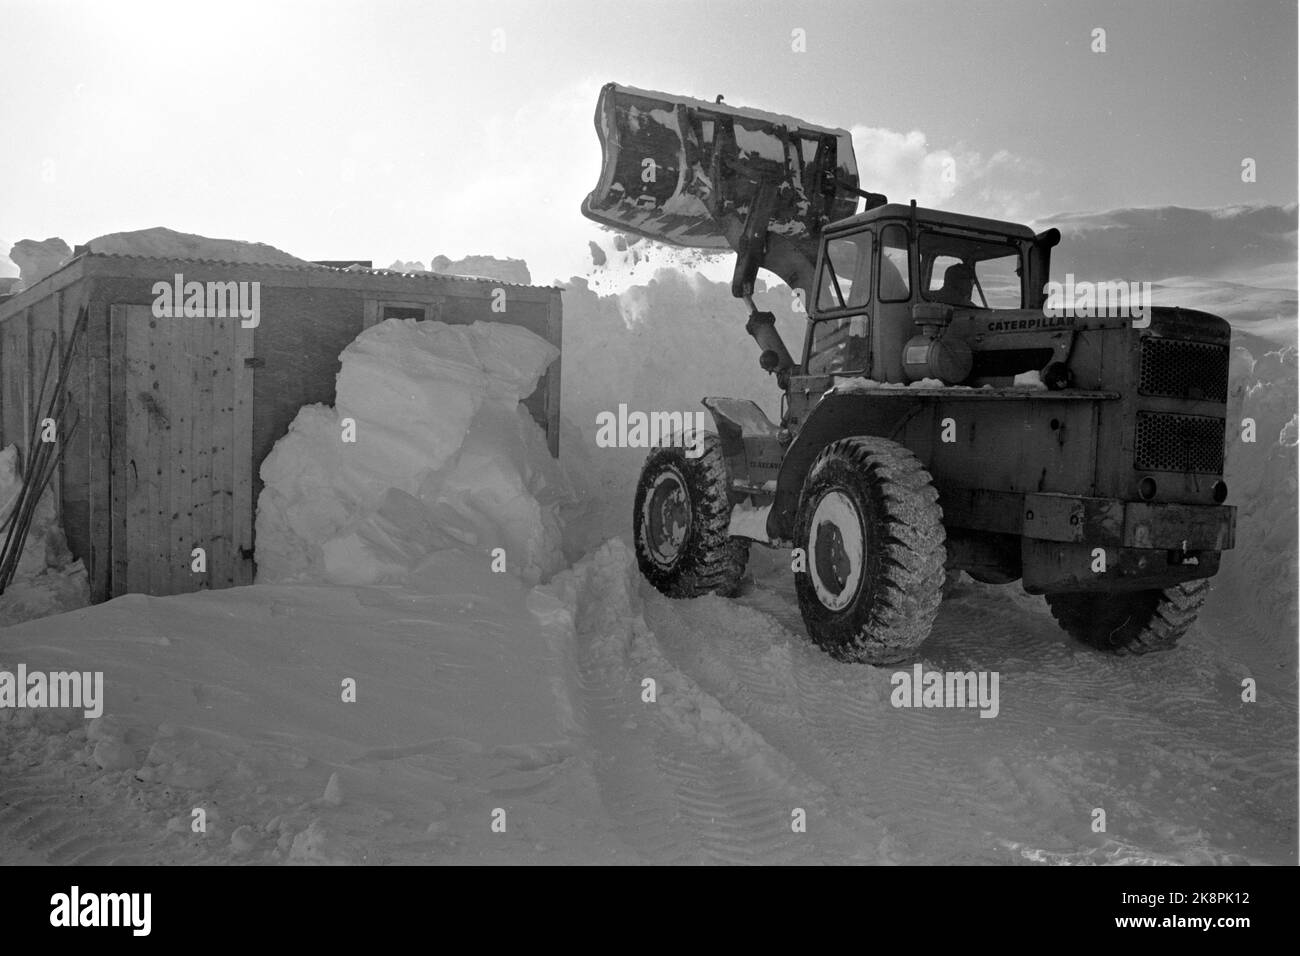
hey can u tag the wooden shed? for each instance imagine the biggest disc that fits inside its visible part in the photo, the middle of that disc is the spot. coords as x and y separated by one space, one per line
177 414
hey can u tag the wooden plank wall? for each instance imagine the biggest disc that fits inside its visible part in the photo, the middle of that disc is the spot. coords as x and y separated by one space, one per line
17 379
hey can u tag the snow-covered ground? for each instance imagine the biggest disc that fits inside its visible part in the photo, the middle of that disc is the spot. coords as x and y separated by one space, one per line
476 695
432 708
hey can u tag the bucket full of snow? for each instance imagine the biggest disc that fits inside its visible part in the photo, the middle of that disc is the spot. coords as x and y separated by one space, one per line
685 171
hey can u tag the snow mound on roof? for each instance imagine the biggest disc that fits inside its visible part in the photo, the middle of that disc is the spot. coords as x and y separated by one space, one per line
163 243
444 457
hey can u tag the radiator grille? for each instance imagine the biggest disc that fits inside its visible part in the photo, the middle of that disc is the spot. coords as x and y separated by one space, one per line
1187 443
1173 368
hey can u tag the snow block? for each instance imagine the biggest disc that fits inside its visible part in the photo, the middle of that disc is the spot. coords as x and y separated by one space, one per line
428 448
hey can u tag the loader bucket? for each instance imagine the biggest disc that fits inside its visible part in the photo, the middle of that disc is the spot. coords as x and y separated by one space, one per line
686 172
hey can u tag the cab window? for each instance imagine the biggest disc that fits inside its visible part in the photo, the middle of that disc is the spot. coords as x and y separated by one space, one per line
971 273
839 346
845 281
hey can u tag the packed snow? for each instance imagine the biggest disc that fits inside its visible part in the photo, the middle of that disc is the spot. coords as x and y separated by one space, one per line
426 448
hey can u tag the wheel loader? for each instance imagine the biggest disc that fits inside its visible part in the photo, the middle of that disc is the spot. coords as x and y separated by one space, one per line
940 416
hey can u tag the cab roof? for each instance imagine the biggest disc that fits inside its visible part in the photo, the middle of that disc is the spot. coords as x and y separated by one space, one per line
934 217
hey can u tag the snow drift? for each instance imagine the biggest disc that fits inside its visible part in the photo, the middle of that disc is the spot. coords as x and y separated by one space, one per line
427 449
1257 580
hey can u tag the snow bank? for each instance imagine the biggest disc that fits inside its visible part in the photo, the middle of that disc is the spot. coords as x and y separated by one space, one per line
1258 578
444 456
657 346
48 580
230 700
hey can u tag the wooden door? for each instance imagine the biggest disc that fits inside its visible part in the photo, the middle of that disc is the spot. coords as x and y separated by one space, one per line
181 447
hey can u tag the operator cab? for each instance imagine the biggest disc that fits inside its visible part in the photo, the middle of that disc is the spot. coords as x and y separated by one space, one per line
874 268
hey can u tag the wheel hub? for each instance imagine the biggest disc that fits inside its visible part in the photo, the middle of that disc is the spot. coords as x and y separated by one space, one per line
835 550
667 518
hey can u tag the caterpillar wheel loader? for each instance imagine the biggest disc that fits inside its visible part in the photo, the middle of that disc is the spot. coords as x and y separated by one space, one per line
940 415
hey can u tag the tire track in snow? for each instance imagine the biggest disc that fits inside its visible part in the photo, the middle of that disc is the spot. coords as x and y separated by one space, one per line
684 779
75 815
878 766
1076 730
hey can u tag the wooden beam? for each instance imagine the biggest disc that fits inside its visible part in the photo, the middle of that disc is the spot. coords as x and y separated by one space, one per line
98 427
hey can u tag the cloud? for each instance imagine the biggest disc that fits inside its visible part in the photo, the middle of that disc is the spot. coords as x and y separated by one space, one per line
1151 243
903 166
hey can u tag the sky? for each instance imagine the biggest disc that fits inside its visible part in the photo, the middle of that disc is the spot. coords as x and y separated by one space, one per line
405 130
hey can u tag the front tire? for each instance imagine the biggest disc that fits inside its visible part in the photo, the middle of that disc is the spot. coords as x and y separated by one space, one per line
871 530
1135 622
681 520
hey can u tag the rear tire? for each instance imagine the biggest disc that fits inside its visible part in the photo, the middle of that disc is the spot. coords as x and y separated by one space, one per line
871 530
681 519
1137 622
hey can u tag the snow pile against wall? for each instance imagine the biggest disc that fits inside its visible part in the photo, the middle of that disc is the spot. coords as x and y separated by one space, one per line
659 346
48 580
1258 577
444 457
